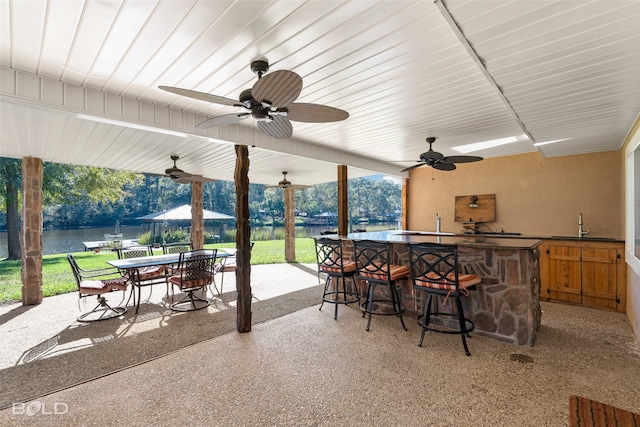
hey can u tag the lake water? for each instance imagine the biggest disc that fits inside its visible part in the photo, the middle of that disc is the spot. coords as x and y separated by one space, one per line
64 241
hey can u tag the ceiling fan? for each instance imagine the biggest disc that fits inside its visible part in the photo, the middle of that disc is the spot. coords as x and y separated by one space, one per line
182 177
285 183
439 161
270 102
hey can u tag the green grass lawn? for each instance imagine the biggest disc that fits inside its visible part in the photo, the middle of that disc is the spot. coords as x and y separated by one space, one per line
58 279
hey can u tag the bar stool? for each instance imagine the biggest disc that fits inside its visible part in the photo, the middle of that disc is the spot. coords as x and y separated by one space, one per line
434 270
373 266
338 270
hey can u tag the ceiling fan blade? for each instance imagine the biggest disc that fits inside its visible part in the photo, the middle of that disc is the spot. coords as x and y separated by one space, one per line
413 167
279 88
461 159
315 113
227 119
444 166
280 127
180 174
200 178
176 173
182 180
201 96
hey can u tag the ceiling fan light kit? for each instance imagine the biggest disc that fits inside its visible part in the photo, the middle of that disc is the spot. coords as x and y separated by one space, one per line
270 102
439 161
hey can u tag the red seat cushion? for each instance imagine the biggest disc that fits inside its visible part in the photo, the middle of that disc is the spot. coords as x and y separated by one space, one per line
348 267
97 287
151 272
433 280
225 267
397 272
188 284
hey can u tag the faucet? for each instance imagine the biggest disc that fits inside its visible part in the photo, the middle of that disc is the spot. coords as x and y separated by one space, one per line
580 231
437 223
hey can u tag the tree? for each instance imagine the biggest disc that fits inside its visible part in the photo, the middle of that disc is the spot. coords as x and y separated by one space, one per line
11 173
61 183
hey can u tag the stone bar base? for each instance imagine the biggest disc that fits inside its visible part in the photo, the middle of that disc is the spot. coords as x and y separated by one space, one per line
505 306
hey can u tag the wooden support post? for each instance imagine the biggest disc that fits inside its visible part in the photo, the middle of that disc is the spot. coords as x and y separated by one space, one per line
343 201
32 223
243 244
197 215
405 204
289 225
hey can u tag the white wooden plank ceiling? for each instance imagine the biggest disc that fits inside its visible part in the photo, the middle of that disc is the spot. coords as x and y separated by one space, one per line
461 71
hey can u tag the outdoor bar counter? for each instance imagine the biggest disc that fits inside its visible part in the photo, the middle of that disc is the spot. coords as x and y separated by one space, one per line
505 305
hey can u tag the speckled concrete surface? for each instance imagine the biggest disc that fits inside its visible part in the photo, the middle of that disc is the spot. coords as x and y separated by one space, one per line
307 369
55 318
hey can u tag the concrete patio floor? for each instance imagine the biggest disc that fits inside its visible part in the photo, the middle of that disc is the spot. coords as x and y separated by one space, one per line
299 366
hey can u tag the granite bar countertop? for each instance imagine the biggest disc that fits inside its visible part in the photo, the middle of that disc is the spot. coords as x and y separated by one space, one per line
502 235
400 236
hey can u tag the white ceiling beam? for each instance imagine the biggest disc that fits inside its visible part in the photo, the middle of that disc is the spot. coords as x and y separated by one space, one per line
472 53
24 88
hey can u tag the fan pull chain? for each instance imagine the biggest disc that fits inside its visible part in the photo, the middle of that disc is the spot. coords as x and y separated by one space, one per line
253 134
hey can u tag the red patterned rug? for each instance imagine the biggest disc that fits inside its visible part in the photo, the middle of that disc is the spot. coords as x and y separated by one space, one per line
585 412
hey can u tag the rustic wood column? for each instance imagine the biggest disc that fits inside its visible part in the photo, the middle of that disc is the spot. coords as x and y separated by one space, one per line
32 223
197 214
289 225
343 201
405 204
243 244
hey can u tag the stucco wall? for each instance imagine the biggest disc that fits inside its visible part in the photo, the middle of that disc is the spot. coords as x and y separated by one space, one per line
633 278
534 195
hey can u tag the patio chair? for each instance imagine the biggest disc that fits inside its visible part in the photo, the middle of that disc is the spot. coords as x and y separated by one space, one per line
338 269
434 270
374 266
227 264
175 248
98 282
194 273
144 276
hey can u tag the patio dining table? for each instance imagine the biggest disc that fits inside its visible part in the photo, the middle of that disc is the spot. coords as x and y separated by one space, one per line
131 265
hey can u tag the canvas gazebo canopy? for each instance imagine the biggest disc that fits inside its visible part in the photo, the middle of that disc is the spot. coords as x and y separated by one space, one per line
178 216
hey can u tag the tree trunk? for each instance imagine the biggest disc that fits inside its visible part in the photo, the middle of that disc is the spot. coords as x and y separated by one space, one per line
289 225
243 244
343 201
197 213
11 172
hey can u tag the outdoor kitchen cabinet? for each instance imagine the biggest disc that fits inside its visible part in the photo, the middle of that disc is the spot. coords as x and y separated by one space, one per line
590 273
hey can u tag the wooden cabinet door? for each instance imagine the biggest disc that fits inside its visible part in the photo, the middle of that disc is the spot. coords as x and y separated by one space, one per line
600 277
565 279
